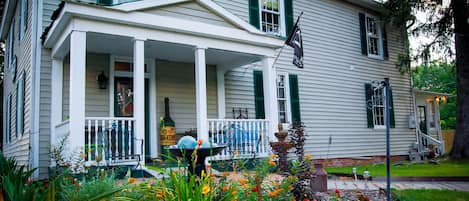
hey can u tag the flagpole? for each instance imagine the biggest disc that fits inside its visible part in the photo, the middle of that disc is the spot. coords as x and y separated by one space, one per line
283 46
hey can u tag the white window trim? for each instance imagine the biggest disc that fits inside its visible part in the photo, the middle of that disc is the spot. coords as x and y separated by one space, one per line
20 108
380 55
113 74
23 8
287 97
379 127
282 23
8 120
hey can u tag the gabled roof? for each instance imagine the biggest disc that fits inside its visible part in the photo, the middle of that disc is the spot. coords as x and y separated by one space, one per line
208 4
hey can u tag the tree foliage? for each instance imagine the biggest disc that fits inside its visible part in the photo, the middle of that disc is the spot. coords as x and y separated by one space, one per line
439 77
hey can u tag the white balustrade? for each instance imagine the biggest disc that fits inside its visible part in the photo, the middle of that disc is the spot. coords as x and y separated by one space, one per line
110 139
426 140
244 138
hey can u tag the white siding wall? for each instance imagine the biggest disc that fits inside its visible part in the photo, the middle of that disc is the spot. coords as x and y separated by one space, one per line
332 96
177 82
190 11
96 100
49 6
19 148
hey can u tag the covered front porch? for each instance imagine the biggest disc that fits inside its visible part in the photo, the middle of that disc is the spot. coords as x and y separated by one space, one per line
146 61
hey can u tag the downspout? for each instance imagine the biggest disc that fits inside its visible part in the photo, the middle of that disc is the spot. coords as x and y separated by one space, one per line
35 84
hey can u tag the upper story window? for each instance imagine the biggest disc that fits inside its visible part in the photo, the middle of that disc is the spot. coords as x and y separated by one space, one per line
373 33
373 37
271 16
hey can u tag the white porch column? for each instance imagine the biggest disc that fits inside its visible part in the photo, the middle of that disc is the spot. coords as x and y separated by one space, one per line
139 95
201 93
270 95
77 90
56 104
221 92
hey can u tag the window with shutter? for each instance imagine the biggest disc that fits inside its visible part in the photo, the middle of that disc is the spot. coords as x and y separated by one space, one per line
23 14
272 16
20 107
373 37
295 99
375 107
259 95
283 98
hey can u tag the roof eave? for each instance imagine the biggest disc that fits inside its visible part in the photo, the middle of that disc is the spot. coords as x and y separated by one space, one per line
368 4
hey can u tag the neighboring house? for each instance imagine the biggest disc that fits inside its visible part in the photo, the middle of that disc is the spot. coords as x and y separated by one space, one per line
213 59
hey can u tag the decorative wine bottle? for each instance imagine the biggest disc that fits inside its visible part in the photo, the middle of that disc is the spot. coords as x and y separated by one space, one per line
167 127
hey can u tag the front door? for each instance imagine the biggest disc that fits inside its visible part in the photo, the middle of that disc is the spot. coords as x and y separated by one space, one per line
422 119
123 104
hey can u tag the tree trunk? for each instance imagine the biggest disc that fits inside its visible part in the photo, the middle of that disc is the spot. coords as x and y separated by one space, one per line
461 29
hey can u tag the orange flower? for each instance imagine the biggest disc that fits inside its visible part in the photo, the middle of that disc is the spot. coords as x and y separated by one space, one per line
234 192
246 186
159 195
308 156
131 180
84 155
272 163
272 194
243 181
199 142
235 152
225 188
274 156
205 189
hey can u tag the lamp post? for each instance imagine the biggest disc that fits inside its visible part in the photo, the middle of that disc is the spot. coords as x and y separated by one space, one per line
385 85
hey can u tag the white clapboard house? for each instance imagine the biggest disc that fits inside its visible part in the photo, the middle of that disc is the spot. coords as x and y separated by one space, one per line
98 72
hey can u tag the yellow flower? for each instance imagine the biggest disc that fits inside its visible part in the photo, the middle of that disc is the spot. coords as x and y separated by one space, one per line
308 156
272 163
131 180
205 189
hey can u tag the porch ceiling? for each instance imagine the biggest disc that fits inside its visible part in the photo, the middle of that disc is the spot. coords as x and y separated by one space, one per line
123 46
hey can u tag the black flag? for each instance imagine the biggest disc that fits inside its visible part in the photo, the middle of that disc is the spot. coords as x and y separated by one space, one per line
296 41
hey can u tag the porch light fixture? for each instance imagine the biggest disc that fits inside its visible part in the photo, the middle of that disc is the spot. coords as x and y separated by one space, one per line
102 80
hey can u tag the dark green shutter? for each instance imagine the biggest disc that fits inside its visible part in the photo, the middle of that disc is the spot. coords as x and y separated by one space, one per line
289 20
364 45
295 99
385 43
254 13
391 110
259 95
369 104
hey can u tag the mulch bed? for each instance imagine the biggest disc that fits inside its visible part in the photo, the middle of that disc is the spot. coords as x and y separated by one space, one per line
360 195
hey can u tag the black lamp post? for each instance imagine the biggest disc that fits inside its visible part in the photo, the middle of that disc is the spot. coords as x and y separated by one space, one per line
102 80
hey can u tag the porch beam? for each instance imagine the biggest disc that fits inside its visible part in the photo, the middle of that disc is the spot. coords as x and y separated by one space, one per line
77 91
56 104
221 92
270 94
201 93
139 95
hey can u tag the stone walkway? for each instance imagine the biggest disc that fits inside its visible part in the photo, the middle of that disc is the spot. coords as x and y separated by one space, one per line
376 185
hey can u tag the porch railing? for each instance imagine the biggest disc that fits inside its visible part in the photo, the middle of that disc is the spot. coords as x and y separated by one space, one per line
426 141
111 140
244 138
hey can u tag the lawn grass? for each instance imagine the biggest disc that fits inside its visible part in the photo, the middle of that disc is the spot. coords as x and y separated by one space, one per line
445 168
433 195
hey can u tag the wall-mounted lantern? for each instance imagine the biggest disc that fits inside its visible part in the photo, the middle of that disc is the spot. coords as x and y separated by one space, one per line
102 80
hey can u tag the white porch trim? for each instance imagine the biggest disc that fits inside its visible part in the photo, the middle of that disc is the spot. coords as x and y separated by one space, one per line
270 94
139 93
201 93
221 92
77 90
57 98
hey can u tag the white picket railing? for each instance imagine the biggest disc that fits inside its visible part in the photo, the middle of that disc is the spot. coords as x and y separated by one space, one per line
426 140
111 139
244 138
